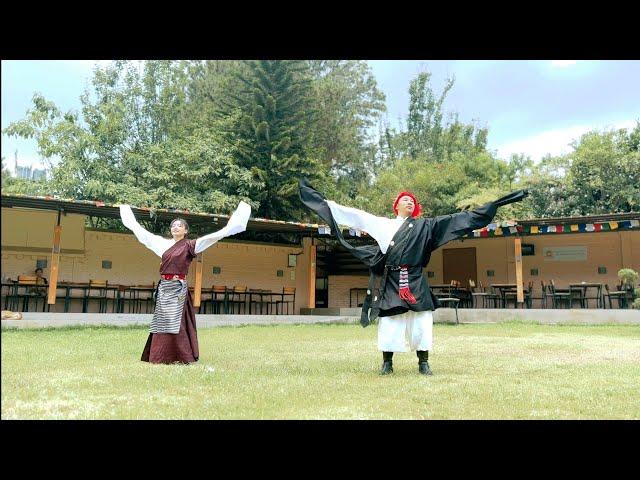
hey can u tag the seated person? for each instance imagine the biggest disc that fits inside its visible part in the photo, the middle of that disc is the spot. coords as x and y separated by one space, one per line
40 280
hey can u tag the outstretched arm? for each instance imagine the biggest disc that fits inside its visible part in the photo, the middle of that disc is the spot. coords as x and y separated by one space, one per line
155 243
449 227
380 228
237 223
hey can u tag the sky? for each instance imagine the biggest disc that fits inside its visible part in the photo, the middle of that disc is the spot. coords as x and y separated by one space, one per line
532 107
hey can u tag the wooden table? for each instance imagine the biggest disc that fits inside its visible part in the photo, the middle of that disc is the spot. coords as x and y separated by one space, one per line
10 291
134 292
261 294
582 287
504 288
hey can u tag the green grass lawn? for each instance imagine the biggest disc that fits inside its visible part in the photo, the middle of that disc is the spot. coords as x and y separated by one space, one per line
490 371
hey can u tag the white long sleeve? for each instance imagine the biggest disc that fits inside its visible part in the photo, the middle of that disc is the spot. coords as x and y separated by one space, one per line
237 223
155 243
380 228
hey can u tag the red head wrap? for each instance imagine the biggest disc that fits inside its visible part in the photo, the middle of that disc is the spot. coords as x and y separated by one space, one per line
416 209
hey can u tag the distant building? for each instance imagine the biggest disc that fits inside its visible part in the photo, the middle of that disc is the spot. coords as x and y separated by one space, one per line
38 174
29 173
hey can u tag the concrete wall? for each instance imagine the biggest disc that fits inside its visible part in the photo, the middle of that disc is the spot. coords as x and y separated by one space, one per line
352 316
339 286
33 230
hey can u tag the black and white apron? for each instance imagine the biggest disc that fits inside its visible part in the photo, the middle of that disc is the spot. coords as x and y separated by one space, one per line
169 306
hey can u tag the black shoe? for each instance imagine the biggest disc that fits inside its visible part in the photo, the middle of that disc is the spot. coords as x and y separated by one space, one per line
387 368
423 368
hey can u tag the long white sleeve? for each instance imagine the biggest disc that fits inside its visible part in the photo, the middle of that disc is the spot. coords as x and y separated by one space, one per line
237 223
380 228
155 243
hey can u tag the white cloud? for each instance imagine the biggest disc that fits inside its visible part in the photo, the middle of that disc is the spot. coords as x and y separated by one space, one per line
562 63
554 142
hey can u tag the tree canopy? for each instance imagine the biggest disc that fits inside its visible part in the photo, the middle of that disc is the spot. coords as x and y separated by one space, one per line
202 135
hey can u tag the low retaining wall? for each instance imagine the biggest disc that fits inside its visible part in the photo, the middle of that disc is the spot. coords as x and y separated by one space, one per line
495 315
45 320
342 315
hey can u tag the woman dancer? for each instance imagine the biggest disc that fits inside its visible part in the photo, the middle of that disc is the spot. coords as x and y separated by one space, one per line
173 336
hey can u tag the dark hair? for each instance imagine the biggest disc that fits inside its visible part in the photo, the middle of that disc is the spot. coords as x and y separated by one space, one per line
39 269
182 220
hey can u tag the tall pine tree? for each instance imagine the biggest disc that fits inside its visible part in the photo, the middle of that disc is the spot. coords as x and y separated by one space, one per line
270 101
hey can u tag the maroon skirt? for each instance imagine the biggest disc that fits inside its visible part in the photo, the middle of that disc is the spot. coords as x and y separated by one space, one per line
170 348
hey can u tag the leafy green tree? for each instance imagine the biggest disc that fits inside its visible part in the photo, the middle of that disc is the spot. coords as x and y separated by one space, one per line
138 141
432 134
605 172
424 123
348 106
6 174
442 160
601 175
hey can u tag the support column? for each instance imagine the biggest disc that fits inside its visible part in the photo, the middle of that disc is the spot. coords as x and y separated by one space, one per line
518 258
55 262
311 297
197 289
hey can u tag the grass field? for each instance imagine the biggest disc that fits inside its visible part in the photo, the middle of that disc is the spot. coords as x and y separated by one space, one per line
490 371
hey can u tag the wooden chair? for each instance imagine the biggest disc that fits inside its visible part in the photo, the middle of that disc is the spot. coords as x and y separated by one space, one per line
219 299
264 301
530 296
508 296
477 293
494 300
287 292
97 291
597 295
547 296
61 294
559 297
126 298
27 279
620 295
512 296
577 295
238 298
7 291
143 297
24 290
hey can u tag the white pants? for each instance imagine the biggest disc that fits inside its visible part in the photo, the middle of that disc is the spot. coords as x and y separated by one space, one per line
414 327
